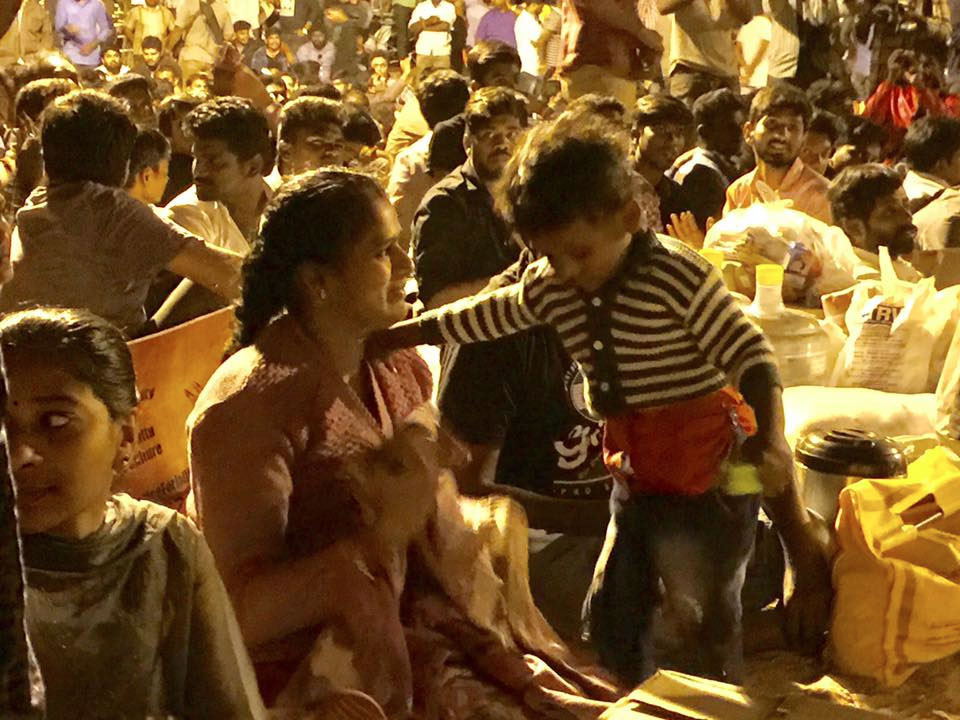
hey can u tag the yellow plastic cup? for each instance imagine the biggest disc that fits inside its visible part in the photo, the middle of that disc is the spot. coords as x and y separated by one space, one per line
713 256
770 275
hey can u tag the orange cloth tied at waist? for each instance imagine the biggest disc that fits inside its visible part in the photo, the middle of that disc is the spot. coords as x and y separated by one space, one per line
677 449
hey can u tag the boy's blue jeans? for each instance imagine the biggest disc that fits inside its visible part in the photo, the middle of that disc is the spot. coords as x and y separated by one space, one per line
698 547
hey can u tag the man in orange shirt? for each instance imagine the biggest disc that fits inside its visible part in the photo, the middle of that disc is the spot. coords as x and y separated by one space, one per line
779 117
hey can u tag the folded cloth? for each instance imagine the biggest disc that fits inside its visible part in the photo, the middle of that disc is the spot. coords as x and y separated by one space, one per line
677 449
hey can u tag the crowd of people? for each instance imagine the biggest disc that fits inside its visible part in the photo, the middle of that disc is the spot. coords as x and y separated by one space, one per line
525 184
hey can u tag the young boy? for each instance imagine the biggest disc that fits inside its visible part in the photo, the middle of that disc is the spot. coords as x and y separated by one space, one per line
81 241
666 354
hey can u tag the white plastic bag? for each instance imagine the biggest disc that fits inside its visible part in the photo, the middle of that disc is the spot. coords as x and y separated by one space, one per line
893 328
948 395
816 257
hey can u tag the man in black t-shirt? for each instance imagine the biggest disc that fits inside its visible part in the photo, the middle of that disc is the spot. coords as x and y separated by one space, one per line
518 404
459 240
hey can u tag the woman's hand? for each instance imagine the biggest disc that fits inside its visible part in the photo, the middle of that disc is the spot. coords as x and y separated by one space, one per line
401 483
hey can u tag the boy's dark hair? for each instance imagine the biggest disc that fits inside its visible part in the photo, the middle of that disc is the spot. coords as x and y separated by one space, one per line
87 347
658 109
164 89
715 105
149 150
242 25
485 55
566 171
306 71
605 105
36 95
131 82
87 136
931 139
310 113
91 79
151 42
272 30
862 133
321 89
173 110
442 94
827 94
236 122
854 193
825 123
360 127
356 96
780 97
491 102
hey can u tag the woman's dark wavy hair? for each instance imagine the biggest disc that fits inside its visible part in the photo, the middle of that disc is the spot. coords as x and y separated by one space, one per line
90 349
313 218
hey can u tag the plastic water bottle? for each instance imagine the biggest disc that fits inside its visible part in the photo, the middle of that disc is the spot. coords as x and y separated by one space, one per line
801 346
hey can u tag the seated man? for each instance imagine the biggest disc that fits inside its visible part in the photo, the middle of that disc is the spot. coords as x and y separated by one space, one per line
821 141
459 240
245 42
518 405
931 150
869 204
705 172
149 167
153 59
776 129
83 242
441 95
528 433
311 136
233 152
661 127
272 56
111 66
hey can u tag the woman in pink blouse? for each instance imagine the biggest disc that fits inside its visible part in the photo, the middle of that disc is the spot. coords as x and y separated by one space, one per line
318 479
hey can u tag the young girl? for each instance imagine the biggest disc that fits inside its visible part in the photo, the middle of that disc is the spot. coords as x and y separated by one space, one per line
125 609
666 354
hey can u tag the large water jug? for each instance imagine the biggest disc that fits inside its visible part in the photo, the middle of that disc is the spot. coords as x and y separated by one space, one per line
801 346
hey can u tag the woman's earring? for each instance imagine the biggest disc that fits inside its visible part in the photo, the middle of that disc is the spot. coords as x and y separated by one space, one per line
323 294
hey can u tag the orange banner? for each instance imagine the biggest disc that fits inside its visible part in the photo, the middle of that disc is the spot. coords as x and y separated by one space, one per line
172 367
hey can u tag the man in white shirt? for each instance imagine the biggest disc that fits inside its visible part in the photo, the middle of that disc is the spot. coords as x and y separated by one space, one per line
431 23
528 32
784 50
931 151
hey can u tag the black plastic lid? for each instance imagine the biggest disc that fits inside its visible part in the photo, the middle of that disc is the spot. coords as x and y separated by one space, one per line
852 452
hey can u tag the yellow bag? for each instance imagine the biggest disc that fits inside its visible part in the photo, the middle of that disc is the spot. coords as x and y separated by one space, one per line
172 367
897 575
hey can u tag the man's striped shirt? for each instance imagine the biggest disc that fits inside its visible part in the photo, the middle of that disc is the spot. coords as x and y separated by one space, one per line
663 330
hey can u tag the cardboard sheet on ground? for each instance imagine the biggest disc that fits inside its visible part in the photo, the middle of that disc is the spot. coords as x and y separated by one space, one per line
675 696
172 368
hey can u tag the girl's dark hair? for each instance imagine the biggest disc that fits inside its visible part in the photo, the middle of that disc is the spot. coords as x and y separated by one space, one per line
88 347
313 218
